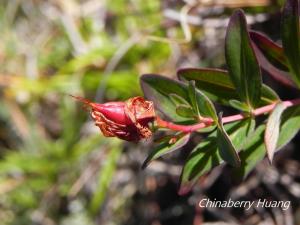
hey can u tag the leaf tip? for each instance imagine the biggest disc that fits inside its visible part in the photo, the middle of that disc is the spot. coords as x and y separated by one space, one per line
270 149
185 189
237 16
270 158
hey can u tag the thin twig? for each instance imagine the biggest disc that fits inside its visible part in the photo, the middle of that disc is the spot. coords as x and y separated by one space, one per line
206 122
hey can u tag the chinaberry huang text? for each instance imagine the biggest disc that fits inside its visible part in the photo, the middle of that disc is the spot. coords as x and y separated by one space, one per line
208 203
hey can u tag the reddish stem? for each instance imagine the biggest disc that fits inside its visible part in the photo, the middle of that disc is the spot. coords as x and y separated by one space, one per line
206 122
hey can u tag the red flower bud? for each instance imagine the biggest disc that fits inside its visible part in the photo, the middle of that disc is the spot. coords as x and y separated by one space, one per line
126 120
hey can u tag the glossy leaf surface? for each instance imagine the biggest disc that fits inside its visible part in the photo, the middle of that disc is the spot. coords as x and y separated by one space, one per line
206 156
158 89
166 147
216 84
242 64
227 149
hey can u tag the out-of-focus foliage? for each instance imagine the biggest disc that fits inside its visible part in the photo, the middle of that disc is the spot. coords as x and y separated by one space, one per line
50 151
55 167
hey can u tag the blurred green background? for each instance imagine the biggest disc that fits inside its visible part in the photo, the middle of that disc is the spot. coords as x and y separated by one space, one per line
55 166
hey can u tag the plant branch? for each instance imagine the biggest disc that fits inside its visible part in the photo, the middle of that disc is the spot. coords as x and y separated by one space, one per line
206 122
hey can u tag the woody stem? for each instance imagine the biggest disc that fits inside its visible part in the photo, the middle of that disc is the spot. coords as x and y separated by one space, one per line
206 122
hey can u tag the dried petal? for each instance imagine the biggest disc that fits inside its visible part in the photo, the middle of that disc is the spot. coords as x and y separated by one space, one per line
126 120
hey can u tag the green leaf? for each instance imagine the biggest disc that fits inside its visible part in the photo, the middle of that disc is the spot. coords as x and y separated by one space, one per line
272 51
239 105
206 107
177 100
166 147
242 64
268 95
290 125
226 147
255 149
272 129
185 111
158 89
216 85
290 34
253 152
239 131
193 98
206 156
207 129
